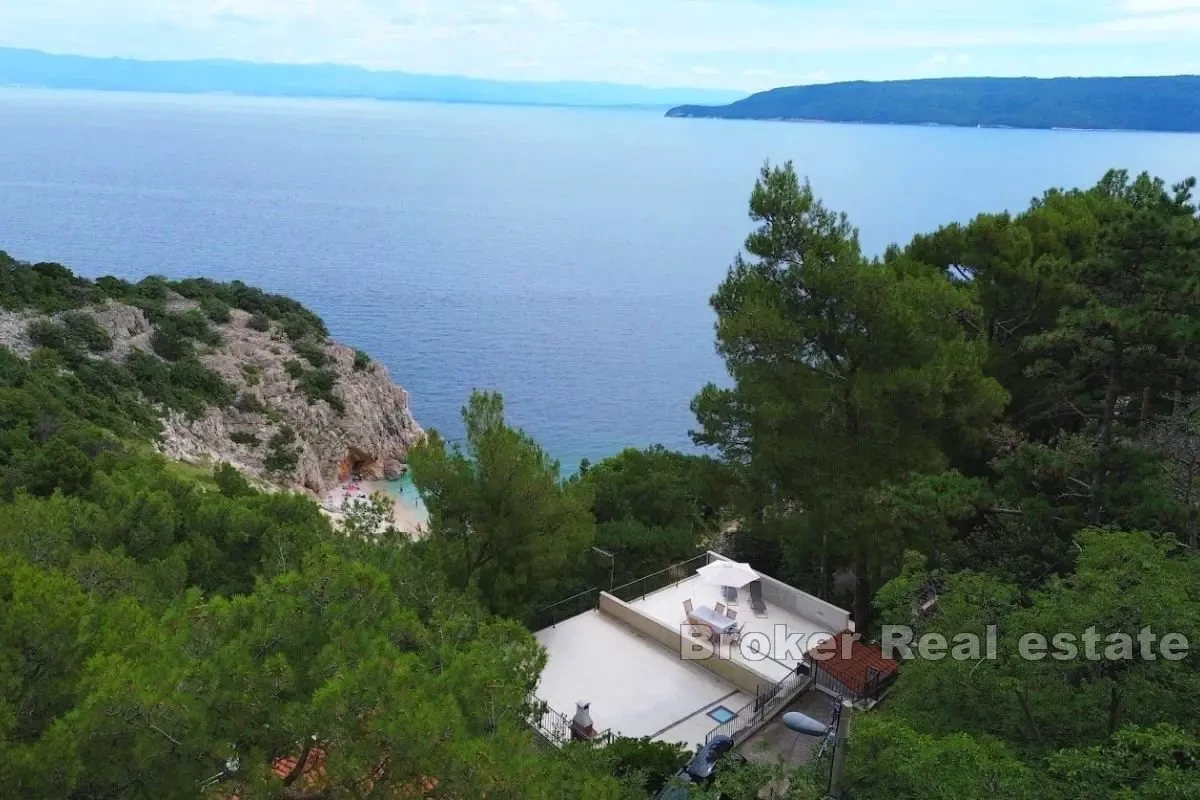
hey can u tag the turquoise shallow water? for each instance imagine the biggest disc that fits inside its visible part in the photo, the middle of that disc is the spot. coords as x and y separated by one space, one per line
564 257
404 492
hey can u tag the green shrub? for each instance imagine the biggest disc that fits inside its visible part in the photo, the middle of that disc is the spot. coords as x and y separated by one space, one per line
48 334
317 384
252 374
232 483
173 336
168 343
48 288
83 329
301 325
283 437
113 288
259 322
191 376
76 333
654 763
282 457
104 377
150 295
311 352
153 287
194 325
294 369
361 361
216 309
186 385
245 438
155 310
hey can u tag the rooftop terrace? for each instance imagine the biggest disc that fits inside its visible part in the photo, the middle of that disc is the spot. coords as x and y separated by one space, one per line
626 655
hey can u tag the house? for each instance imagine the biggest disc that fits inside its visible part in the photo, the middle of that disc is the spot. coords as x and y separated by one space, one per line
632 664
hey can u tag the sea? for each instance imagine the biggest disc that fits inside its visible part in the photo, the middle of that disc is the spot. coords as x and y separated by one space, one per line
563 257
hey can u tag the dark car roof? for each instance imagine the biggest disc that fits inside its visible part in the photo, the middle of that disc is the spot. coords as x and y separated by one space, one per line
705 762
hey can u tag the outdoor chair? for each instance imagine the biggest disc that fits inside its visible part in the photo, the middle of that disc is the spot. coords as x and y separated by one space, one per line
720 609
687 607
730 593
756 600
730 614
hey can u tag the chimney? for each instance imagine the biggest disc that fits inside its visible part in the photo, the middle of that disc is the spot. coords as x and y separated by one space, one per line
582 728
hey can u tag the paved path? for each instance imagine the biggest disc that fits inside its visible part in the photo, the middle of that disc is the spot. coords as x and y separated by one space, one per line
774 742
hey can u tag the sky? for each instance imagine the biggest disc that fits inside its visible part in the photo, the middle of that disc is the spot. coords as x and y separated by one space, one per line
730 44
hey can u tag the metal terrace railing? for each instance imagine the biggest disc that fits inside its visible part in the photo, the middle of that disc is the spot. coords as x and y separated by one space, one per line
766 704
674 574
573 606
556 728
553 726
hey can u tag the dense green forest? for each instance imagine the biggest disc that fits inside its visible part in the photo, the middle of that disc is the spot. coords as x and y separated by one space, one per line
1134 104
1001 413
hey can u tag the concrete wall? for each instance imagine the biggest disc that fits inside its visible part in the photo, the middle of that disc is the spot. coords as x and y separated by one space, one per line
832 618
735 672
778 593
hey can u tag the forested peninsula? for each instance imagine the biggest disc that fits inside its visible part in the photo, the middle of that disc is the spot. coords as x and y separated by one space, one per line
1131 104
994 424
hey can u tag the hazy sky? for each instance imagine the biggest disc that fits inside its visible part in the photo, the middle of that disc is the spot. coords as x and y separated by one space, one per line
742 44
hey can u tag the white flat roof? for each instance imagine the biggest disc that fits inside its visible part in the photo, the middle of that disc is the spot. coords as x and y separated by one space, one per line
636 686
789 634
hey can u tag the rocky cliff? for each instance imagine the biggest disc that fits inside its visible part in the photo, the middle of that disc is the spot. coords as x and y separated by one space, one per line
370 435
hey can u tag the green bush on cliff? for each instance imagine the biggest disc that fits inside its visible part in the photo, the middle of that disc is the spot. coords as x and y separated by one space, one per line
318 384
49 334
312 352
82 328
282 456
294 369
170 344
259 322
48 288
186 385
77 334
298 325
245 438
216 309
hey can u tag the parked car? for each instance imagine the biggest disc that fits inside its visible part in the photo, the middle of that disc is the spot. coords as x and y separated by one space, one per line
702 770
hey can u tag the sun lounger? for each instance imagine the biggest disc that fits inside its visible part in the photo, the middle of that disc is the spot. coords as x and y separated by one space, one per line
756 600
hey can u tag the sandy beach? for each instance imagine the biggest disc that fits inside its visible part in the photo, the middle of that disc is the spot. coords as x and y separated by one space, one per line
408 516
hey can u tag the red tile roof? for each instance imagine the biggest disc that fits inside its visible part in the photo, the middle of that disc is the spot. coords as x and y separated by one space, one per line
851 661
313 774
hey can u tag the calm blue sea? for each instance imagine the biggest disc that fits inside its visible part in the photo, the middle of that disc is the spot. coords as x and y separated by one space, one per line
563 257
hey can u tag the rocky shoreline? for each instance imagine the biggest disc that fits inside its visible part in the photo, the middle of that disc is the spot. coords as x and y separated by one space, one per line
369 436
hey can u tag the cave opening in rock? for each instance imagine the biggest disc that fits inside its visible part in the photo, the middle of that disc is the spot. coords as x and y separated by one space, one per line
358 465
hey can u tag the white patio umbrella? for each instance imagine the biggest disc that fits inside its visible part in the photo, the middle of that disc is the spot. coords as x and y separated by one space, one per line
728 573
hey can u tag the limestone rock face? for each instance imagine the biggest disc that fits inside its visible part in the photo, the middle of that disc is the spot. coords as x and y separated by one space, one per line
371 437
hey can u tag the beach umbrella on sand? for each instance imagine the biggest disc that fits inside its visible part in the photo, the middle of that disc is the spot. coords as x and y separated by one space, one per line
728 573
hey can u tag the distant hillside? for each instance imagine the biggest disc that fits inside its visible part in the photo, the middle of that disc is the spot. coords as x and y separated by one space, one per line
1146 104
33 68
